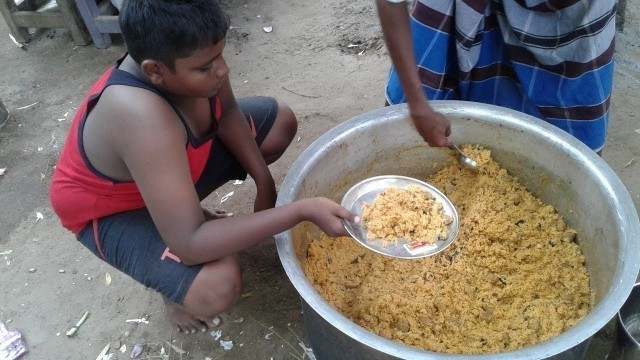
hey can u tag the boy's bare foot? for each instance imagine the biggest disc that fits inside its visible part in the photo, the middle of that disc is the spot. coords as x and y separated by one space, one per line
188 323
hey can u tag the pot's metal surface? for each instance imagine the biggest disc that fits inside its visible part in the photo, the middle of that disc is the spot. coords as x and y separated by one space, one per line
555 166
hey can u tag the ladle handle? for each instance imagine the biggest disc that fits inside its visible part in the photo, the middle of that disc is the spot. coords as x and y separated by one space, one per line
455 148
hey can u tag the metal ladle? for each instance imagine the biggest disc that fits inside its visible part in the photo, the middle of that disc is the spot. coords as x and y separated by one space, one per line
464 159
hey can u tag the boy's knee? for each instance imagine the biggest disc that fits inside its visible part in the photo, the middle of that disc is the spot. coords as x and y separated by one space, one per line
288 119
217 288
228 285
281 135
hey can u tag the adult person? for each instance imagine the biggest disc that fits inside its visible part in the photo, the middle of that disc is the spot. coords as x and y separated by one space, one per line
550 59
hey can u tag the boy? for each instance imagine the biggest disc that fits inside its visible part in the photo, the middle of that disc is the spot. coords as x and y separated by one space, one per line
159 132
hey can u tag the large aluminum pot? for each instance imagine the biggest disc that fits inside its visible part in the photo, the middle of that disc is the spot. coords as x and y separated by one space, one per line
555 166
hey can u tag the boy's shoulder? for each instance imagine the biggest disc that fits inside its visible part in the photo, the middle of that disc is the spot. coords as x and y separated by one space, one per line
122 100
120 92
141 114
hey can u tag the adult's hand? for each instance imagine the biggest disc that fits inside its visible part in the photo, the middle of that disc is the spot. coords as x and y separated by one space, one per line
433 127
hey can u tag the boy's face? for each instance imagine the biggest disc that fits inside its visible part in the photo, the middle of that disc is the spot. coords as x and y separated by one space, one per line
199 75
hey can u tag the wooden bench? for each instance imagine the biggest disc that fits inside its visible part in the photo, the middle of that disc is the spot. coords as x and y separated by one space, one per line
30 14
99 24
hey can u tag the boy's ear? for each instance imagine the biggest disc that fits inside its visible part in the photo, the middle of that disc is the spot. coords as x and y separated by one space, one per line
154 70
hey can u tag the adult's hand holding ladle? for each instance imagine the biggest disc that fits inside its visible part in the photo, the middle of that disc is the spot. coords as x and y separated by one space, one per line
435 130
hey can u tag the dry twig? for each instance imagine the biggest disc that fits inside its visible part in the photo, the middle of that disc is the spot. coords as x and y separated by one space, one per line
303 95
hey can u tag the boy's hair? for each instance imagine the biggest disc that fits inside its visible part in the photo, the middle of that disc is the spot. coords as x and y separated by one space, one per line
166 30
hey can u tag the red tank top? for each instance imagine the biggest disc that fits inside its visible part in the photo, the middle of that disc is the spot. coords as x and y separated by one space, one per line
79 193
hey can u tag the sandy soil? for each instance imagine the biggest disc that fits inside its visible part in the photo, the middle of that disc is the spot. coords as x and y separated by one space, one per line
307 61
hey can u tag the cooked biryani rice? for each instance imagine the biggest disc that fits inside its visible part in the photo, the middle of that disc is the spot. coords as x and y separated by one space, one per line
513 278
411 214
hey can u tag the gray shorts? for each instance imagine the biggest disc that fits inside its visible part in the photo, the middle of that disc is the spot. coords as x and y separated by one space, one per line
130 241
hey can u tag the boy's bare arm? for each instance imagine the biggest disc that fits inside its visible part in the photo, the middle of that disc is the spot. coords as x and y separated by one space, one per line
394 19
235 133
153 148
239 233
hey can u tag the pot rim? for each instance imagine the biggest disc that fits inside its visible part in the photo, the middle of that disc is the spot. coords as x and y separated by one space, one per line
600 315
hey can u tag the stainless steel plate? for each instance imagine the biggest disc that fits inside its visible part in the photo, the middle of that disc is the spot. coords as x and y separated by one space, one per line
366 191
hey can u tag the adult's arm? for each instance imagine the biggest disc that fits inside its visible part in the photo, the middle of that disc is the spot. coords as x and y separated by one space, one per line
394 19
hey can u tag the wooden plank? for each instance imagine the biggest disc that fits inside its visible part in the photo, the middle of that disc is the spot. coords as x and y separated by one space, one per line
32 5
108 24
38 20
89 12
73 22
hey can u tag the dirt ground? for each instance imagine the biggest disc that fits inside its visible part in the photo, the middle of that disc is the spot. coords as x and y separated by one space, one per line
326 59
